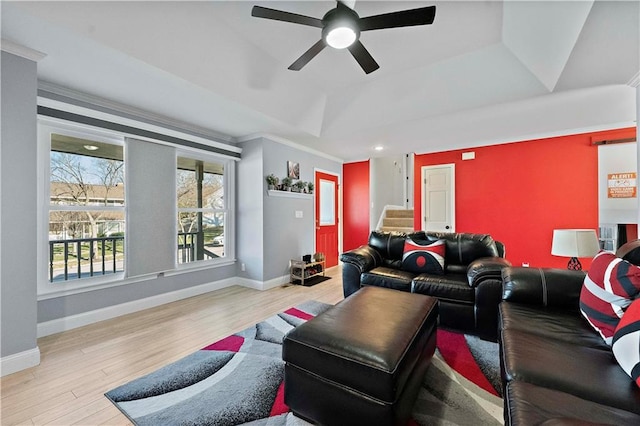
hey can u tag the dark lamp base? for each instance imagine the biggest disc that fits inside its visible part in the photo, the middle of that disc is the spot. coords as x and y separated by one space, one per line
574 264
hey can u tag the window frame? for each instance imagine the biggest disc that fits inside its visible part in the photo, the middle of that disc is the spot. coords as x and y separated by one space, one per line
229 212
46 127
45 289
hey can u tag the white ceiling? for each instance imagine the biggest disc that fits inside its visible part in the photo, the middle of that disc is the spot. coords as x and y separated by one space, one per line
484 72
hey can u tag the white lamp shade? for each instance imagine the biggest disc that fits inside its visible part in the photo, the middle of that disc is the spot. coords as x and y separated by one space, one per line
575 243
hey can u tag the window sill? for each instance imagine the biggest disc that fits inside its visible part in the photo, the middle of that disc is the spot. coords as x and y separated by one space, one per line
289 194
120 280
197 266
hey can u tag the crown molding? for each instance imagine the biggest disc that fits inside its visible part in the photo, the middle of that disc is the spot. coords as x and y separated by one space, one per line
22 51
64 94
537 136
284 141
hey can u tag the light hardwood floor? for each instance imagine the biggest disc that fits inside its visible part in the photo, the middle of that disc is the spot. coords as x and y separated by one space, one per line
78 366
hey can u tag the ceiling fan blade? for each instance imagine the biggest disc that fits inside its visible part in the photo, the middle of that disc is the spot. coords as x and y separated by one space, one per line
363 57
403 18
307 56
279 15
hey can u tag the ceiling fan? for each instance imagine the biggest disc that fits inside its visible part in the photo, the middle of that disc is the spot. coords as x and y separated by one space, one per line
341 29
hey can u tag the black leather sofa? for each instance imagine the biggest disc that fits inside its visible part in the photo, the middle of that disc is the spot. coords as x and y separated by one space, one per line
556 370
469 290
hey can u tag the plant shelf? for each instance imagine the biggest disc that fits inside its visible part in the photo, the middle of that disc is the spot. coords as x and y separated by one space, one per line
289 194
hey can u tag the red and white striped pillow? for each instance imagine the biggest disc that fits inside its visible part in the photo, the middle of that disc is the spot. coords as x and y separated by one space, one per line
626 341
609 288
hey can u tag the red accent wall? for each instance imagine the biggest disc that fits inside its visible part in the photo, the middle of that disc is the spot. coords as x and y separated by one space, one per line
355 202
632 231
519 192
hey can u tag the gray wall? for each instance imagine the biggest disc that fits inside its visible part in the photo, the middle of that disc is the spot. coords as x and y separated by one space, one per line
149 253
268 232
283 236
249 220
61 307
18 280
19 205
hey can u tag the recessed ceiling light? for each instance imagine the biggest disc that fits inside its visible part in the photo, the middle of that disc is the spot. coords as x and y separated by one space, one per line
90 147
379 148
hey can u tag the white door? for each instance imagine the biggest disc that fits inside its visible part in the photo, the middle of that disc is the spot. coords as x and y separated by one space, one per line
438 198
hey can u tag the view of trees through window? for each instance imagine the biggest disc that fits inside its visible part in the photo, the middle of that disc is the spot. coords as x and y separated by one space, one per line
201 210
87 208
86 212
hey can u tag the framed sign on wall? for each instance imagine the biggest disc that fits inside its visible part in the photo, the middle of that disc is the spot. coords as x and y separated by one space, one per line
622 185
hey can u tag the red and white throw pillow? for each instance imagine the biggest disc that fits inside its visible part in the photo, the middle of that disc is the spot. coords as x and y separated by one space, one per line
626 341
421 257
609 288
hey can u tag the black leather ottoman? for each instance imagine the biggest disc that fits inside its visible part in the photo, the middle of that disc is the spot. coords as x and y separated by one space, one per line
362 361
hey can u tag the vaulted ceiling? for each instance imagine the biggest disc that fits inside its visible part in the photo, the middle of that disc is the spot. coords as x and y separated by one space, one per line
484 72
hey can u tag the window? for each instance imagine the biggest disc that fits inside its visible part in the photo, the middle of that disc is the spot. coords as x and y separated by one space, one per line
92 236
86 207
202 210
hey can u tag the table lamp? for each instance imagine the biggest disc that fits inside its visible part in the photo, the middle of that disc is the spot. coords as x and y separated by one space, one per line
575 243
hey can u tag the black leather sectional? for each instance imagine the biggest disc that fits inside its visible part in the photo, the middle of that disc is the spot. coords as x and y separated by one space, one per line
556 370
469 291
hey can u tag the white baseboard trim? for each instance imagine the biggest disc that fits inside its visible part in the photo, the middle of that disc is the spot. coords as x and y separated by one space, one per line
276 282
13 363
263 285
74 321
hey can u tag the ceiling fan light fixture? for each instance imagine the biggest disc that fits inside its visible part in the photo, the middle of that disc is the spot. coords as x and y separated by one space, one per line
341 37
341 27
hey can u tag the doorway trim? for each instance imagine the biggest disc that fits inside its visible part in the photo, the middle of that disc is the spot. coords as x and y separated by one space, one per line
452 188
339 177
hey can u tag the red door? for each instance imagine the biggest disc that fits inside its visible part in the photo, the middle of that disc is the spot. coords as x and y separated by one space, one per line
327 217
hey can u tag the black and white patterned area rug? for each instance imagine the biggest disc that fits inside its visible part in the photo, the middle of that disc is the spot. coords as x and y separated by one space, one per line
239 380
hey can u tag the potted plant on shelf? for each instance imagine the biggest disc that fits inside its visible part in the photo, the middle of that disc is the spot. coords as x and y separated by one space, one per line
286 183
299 186
310 187
272 181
